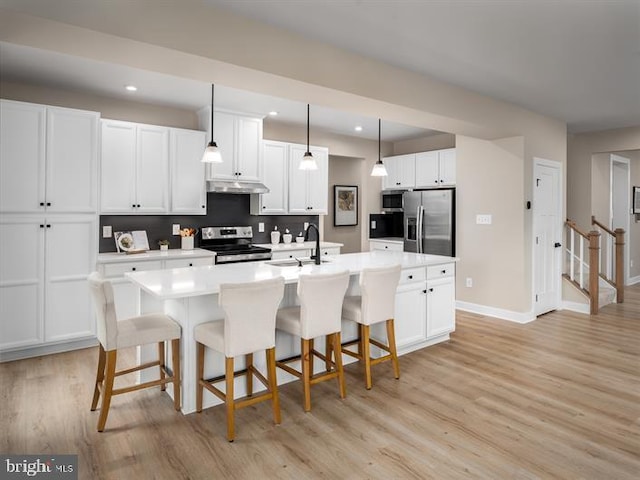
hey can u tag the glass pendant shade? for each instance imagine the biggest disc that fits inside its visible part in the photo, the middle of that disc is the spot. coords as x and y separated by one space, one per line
308 162
212 153
379 170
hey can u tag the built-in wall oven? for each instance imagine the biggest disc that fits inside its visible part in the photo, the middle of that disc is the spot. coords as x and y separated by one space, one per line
392 200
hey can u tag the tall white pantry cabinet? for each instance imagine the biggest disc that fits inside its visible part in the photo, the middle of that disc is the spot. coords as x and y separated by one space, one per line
48 227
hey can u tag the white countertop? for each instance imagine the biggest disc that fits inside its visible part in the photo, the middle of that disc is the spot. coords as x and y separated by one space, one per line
114 257
286 247
195 281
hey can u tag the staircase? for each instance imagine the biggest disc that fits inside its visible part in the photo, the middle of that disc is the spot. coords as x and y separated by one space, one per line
594 264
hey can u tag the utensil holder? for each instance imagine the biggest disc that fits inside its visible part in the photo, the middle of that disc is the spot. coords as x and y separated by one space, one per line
187 243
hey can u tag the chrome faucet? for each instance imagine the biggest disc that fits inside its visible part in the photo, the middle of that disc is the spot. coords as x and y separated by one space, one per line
315 257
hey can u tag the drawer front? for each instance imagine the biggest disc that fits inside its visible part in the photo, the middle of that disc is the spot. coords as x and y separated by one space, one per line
440 271
290 254
389 246
330 251
119 269
188 262
411 275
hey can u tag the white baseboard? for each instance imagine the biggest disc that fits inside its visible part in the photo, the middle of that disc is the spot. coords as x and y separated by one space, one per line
634 280
576 307
518 317
40 350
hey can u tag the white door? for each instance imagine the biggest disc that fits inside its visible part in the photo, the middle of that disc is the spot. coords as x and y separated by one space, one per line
188 194
620 207
441 315
152 172
447 164
117 187
407 170
427 169
22 150
274 176
21 281
70 258
392 180
547 226
410 322
72 160
249 148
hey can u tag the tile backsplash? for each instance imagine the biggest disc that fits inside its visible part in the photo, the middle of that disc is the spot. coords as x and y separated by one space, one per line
222 210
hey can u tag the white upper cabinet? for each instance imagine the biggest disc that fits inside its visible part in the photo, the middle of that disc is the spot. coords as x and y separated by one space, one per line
436 168
239 139
275 175
134 168
48 159
308 189
401 171
188 193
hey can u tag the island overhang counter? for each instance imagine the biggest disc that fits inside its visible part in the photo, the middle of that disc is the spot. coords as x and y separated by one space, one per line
424 314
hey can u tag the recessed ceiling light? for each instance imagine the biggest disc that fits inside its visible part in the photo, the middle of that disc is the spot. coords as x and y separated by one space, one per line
273 113
358 128
131 88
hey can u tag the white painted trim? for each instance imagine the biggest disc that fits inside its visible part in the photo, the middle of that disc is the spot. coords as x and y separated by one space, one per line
576 307
517 317
40 350
614 158
634 280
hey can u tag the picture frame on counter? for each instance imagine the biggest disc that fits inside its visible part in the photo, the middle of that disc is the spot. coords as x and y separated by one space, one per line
135 241
345 205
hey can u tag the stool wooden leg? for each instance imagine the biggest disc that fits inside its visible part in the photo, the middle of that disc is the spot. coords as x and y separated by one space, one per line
328 341
110 373
338 361
99 377
391 338
249 364
229 400
199 375
273 384
161 361
366 353
306 374
175 363
360 335
311 347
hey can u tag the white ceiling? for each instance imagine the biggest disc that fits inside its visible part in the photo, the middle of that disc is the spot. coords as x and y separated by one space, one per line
576 60
19 63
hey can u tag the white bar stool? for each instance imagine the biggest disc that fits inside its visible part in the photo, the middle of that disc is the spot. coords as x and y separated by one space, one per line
319 314
375 304
248 327
114 334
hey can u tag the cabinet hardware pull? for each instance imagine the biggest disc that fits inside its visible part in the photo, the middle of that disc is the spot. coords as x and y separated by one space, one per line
48 226
410 277
424 291
42 204
191 264
41 226
138 205
431 289
443 271
264 206
48 204
133 268
204 206
133 205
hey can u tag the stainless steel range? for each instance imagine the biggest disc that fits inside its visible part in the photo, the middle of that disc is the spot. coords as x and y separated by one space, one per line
232 244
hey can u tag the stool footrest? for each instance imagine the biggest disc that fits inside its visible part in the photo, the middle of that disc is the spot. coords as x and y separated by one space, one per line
138 367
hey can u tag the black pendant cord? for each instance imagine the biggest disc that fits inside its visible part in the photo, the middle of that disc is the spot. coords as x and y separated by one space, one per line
307 127
212 103
379 128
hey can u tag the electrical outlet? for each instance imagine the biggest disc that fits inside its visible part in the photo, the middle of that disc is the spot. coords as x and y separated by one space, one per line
175 229
483 219
373 224
107 231
261 227
469 282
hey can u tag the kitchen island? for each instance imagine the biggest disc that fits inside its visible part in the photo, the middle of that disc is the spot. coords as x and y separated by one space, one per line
425 305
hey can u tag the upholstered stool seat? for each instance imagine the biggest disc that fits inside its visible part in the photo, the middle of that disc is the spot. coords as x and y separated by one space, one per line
375 304
248 326
319 314
115 334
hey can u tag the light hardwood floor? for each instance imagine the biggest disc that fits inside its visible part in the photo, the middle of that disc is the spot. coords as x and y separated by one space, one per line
557 398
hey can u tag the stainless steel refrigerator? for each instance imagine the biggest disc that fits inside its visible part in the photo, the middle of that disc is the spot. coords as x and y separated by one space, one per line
429 221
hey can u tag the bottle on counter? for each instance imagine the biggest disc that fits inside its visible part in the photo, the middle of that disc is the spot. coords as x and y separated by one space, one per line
275 236
286 237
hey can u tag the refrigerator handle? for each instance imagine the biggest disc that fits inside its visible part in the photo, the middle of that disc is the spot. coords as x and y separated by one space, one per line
419 217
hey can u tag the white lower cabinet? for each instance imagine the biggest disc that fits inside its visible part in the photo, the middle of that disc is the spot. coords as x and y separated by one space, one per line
440 307
410 315
44 296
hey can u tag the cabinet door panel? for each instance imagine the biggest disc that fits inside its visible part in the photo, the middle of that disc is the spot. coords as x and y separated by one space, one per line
21 282
117 192
427 171
440 307
275 177
152 173
448 166
297 181
392 180
410 314
188 193
249 151
72 154
225 138
318 183
22 150
407 170
70 257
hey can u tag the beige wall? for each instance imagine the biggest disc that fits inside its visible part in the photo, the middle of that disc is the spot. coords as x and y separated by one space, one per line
425 144
238 52
345 171
110 108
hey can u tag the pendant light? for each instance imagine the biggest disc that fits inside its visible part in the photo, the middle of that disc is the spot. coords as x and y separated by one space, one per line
308 162
379 170
212 153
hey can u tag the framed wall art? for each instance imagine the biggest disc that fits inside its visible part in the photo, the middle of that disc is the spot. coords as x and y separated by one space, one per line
345 205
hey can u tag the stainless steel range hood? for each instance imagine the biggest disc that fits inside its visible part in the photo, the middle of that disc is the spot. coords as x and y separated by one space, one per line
235 186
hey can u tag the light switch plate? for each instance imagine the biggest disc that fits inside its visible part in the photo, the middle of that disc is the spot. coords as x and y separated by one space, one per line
373 224
260 227
483 219
106 231
306 225
175 229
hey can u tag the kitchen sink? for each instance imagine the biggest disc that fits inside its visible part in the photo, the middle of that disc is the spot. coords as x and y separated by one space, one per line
292 262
